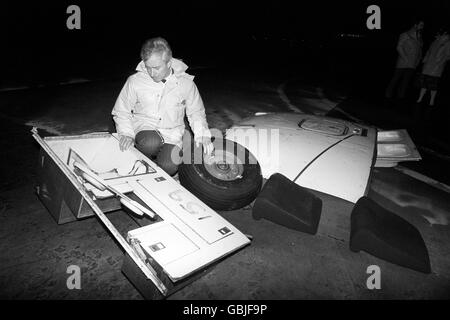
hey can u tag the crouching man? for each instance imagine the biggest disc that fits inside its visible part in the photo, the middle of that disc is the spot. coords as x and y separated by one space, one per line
149 112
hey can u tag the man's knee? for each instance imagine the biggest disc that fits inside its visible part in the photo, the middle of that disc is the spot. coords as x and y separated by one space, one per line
169 168
148 142
169 158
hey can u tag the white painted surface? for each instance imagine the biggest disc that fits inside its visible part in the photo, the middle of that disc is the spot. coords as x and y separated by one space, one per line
191 235
394 146
342 171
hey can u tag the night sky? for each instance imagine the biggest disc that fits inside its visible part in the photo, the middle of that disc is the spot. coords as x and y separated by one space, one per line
37 43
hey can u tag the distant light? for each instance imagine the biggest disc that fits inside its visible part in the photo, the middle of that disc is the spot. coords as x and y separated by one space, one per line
351 35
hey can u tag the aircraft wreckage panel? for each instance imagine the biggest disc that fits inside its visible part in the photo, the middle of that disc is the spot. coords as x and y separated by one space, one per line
190 236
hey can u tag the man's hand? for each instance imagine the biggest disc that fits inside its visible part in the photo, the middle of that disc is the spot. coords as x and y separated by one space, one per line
125 142
208 146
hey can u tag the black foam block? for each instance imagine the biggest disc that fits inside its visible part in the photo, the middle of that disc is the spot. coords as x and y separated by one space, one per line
288 204
387 236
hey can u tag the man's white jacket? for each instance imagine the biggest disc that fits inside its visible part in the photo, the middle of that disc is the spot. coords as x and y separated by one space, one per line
144 104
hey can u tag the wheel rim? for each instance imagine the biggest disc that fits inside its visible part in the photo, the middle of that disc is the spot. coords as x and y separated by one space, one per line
224 166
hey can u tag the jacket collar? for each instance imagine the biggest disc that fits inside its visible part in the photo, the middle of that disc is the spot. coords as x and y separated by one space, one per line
178 66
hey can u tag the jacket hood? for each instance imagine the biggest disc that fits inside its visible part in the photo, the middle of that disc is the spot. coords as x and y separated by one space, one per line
178 66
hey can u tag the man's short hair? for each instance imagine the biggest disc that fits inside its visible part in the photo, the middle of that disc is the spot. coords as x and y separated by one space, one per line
156 45
415 20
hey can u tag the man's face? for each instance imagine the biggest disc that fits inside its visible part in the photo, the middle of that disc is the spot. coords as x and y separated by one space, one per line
420 25
157 67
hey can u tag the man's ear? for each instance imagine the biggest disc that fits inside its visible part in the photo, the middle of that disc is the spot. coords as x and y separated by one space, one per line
169 63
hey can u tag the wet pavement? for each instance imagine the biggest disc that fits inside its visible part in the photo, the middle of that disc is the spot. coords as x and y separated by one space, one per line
279 264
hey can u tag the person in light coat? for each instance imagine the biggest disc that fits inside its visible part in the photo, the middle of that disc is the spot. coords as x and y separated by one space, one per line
434 64
149 111
409 49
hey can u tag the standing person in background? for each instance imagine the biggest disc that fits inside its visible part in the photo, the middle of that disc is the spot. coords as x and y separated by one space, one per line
409 49
434 64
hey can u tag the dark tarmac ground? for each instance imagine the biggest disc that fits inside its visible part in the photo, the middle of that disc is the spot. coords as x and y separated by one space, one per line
280 263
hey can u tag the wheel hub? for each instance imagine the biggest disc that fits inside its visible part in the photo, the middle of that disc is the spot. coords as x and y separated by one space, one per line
224 166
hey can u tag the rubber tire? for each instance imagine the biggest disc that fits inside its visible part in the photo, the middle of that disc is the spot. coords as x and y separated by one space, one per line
220 194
